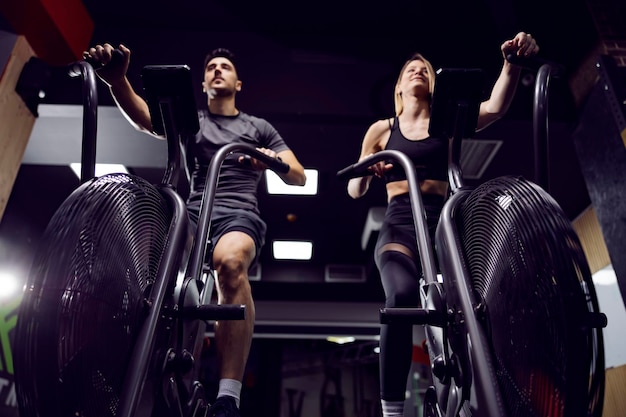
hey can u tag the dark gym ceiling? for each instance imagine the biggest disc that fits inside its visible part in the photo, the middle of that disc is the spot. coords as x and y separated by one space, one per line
321 72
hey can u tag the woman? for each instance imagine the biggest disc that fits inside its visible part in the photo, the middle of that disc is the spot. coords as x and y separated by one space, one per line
396 252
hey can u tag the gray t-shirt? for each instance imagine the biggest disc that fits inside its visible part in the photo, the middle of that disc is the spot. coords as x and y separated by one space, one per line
237 186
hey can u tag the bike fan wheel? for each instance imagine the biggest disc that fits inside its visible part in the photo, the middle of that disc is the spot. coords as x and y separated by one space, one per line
84 302
529 270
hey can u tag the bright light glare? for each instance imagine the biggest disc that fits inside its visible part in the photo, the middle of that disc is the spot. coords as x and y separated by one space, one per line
292 249
504 201
341 339
9 285
277 186
101 169
605 276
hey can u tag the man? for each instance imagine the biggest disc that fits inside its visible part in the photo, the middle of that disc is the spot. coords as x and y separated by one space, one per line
238 232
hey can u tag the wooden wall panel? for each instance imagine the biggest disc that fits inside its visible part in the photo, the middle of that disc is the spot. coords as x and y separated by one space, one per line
615 394
588 229
16 120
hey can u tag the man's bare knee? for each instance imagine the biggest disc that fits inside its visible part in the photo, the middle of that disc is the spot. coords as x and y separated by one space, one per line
234 253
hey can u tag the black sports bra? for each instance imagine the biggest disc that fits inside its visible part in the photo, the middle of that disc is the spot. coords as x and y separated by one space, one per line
429 155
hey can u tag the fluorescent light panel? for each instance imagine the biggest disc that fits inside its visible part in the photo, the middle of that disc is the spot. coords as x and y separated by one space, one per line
101 169
275 185
292 250
341 340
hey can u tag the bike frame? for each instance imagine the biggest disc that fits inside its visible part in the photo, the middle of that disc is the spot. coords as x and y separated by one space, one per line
458 347
179 302
453 378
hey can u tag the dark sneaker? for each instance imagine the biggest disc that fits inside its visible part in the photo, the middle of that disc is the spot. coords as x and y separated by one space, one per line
224 406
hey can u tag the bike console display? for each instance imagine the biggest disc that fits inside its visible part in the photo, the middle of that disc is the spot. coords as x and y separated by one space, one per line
171 85
455 103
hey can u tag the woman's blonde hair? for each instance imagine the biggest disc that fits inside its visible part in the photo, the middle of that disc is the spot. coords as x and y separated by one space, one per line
397 96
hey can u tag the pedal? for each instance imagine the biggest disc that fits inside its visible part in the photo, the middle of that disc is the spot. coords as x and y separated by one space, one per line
197 403
594 320
215 312
410 315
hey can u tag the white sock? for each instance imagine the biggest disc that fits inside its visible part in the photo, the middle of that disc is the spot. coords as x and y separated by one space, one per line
392 408
230 387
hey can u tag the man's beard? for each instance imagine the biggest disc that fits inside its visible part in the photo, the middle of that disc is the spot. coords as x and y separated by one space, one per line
213 92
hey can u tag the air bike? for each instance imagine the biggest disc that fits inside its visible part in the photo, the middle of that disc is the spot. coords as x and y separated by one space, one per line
113 316
513 327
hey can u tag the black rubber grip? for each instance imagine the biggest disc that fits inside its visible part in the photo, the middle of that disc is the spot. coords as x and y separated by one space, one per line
351 172
275 164
215 312
532 62
116 56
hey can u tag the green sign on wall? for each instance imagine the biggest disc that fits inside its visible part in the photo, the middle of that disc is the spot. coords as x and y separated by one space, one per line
8 319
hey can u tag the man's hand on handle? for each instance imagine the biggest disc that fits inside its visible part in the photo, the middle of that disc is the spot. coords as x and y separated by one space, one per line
111 63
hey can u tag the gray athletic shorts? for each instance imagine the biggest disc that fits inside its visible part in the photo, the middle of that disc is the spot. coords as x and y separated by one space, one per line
228 219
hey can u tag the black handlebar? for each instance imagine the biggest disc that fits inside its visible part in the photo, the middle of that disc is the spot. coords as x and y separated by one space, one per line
116 56
90 118
275 164
534 63
545 70
359 169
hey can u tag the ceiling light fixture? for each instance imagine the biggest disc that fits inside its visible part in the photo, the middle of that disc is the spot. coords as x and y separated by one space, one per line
275 185
341 340
292 250
101 169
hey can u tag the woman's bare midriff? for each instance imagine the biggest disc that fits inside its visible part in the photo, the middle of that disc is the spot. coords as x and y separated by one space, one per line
426 187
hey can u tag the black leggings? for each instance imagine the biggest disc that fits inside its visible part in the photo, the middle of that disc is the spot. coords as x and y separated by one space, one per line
400 274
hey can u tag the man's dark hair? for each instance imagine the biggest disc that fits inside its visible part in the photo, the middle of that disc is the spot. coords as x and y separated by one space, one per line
220 52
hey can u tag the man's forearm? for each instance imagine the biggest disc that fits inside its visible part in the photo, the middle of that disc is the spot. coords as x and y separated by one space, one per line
134 108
